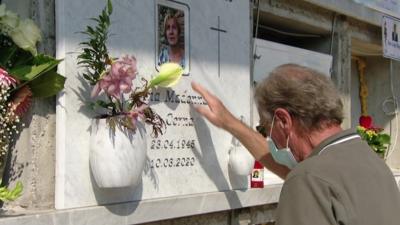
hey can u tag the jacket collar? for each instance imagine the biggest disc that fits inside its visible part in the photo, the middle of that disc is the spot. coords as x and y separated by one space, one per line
332 139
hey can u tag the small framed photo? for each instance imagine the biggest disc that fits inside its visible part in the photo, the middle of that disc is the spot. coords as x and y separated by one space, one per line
172 34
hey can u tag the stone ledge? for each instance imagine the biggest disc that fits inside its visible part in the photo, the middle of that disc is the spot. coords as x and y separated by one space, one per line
351 9
151 210
148 210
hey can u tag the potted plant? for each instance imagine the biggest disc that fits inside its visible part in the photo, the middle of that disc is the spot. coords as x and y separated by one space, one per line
117 142
24 74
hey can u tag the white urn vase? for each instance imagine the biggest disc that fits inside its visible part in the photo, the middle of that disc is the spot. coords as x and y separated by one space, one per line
241 162
117 157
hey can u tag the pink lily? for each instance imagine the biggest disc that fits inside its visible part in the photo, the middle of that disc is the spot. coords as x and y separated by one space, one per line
118 79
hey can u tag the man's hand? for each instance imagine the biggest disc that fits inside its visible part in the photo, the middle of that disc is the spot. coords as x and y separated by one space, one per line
216 112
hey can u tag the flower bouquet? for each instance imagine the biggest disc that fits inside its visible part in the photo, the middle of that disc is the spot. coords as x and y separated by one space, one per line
121 106
24 74
377 140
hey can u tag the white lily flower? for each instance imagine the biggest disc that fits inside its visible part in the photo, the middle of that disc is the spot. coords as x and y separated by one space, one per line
10 20
26 35
169 75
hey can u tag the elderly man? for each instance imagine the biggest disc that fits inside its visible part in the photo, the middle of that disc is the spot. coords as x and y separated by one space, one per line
331 176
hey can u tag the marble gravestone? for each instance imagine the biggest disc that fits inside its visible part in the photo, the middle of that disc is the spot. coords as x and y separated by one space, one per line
217 55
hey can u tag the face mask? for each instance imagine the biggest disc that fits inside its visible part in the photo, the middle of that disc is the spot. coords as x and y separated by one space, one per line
282 156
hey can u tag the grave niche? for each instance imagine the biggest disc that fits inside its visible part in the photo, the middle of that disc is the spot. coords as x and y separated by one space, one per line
192 156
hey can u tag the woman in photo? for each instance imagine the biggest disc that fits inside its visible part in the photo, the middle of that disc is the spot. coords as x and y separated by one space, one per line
173 50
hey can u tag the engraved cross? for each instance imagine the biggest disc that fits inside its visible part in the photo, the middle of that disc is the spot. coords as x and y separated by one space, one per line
219 30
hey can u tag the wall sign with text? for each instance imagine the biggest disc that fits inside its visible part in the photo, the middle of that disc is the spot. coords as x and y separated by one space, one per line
390 37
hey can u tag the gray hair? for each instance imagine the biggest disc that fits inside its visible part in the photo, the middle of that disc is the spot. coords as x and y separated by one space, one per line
308 95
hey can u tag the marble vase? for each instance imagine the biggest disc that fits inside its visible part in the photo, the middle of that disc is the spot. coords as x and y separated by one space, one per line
117 157
241 162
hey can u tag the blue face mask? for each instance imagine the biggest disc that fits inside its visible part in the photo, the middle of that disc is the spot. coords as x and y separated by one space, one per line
282 156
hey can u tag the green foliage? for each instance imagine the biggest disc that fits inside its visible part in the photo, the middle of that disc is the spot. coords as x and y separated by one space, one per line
49 84
29 69
10 54
39 73
94 56
38 66
10 195
101 104
28 74
377 140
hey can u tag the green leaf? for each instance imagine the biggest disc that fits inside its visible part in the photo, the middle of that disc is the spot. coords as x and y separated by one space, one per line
94 53
109 6
42 64
95 19
104 104
42 58
89 78
47 85
22 58
11 195
90 30
384 138
28 72
16 192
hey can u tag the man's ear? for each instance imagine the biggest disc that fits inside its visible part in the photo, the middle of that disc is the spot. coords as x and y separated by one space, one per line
284 118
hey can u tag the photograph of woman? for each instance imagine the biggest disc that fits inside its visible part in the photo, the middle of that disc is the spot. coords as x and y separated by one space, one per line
173 50
171 43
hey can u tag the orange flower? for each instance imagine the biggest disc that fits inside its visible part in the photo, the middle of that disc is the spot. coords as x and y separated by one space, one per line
21 101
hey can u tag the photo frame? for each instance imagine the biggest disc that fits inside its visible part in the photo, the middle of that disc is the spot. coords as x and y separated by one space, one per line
172 34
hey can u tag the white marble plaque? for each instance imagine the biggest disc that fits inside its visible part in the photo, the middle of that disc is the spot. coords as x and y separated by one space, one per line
192 156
